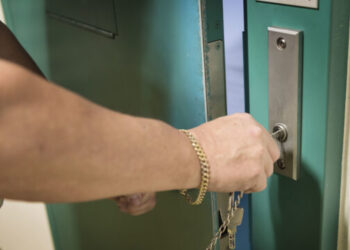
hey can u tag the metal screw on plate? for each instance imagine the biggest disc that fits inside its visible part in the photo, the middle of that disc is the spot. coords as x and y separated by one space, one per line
280 164
281 43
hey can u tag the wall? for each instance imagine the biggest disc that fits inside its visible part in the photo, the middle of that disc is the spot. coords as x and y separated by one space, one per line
234 66
24 226
2 17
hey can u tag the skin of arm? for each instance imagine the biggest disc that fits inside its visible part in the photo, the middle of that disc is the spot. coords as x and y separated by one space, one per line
58 147
12 50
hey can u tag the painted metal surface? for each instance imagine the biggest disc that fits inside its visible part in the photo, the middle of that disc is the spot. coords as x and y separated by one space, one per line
100 15
29 28
285 82
302 214
80 24
301 3
153 68
213 20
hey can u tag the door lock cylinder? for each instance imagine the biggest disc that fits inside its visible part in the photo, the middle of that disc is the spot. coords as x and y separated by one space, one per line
280 132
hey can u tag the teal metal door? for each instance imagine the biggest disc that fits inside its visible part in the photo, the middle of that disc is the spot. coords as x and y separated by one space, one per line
150 66
146 58
302 214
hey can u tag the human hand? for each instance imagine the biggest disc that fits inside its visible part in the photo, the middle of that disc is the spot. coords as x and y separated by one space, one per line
240 152
136 204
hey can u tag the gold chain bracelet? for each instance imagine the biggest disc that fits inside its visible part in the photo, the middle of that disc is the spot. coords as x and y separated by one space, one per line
205 171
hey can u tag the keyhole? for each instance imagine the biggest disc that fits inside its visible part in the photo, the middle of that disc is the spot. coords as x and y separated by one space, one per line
280 132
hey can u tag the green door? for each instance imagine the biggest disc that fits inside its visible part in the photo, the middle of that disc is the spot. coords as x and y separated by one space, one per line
302 214
146 58
139 57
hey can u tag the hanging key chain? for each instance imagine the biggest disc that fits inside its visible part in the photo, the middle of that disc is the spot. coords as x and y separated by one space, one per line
232 227
235 214
230 215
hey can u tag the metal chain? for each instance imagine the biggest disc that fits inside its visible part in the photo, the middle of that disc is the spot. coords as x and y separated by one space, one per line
229 217
205 170
276 134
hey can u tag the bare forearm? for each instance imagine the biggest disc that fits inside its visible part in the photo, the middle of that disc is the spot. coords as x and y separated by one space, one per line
56 146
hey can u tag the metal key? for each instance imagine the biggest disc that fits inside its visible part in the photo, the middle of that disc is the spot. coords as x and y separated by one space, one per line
233 203
232 227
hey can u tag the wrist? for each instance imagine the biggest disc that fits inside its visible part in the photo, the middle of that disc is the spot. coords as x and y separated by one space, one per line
192 168
179 160
204 170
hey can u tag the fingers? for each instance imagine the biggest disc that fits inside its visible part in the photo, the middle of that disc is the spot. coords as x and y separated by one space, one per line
268 165
142 208
261 184
260 134
272 148
136 204
270 143
241 153
262 170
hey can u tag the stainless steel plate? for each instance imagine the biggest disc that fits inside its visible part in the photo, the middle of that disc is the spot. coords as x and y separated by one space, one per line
285 76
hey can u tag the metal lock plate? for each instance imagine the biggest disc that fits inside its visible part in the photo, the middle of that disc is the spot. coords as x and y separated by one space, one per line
302 3
285 76
215 94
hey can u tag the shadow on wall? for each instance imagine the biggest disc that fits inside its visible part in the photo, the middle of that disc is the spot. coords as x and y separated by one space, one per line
296 230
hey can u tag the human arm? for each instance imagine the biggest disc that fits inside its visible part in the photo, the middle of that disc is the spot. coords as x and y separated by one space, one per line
58 147
12 50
